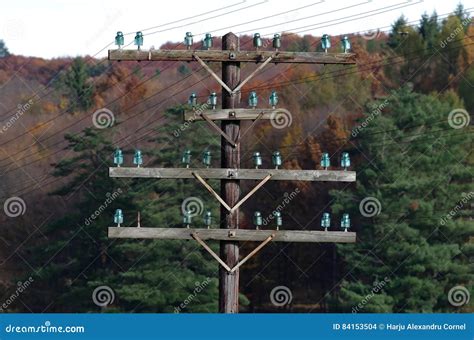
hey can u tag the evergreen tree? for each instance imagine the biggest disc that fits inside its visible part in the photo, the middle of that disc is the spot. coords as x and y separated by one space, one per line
415 165
146 275
396 35
465 88
78 88
3 49
462 15
429 30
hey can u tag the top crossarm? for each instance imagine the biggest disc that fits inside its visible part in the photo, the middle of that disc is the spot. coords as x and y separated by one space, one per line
238 56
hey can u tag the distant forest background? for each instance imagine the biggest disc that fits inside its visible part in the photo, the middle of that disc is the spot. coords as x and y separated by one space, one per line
389 111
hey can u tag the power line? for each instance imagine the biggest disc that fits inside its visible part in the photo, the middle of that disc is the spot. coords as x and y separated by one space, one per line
135 114
61 141
388 9
105 104
56 117
104 60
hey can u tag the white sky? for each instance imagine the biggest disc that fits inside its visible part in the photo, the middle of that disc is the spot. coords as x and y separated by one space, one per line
56 28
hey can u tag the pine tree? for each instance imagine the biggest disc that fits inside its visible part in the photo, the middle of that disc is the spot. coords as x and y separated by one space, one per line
396 36
145 275
429 29
415 165
3 49
79 89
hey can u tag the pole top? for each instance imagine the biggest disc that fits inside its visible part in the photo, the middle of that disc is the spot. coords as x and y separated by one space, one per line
230 42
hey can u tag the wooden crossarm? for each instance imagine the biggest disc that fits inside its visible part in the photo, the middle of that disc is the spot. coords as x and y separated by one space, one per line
233 56
247 235
237 174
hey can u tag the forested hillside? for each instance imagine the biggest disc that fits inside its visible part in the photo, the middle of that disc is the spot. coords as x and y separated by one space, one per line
403 113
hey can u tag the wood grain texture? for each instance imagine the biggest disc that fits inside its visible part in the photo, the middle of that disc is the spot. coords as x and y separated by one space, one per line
228 55
237 174
236 114
230 187
308 236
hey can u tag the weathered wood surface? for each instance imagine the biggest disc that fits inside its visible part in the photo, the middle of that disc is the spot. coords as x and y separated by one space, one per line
230 188
236 114
234 56
309 236
236 174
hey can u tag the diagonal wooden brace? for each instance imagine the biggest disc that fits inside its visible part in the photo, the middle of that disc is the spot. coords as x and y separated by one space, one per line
210 251
246 197
208 69
219 130
237 89
260 115
252 253
209 188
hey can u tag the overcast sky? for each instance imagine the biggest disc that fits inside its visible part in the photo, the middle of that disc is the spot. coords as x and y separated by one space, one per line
56 28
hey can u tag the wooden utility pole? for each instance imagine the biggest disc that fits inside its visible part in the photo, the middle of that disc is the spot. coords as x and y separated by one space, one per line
230 174
230 189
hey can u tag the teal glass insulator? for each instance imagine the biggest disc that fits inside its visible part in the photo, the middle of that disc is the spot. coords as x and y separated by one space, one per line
192 100
188 40
278 219
118 157
345 222
187 218
345 160
208 219
119 39
346 44
257 40
257 159
207 41
137 158
186 159
206 158
257 219
325 161
325 42
326 220
276 159
212 100
253 99
139 39
273 100
276 41
118 217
